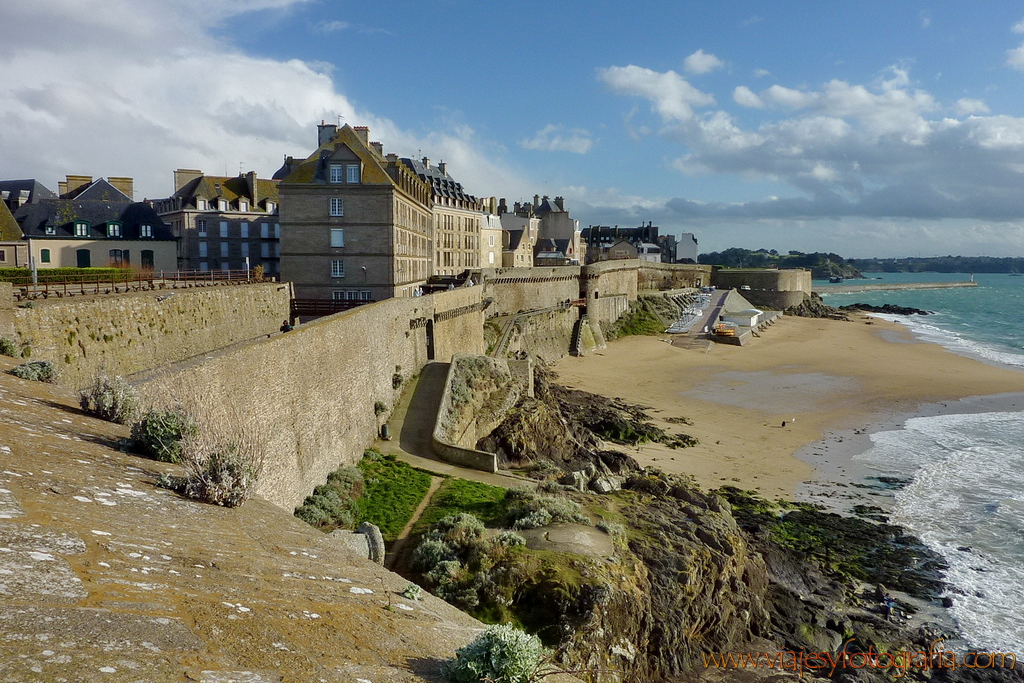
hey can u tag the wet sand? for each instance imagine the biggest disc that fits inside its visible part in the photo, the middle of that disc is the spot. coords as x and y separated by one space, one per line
820 376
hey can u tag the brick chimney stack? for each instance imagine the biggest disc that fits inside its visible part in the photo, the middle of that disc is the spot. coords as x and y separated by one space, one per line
126 185
364 134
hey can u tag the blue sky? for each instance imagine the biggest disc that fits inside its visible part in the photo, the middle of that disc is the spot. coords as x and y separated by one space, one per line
867 128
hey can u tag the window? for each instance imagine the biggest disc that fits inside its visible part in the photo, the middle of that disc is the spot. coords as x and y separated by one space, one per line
147 259
203 265
490 240
113 229
44 256
201 205
116 258
3 255
81 229
265 230
243 206
265 250
223 228
352 173
336 173
145 231
277 231
224 249
201 227
338 295
50 230
490 257
270 207
365 295
337 206
222 204
245 248
337 237
245 229
202 250
225 266
83 258
337 268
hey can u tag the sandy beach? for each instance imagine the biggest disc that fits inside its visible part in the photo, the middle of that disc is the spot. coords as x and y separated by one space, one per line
819 376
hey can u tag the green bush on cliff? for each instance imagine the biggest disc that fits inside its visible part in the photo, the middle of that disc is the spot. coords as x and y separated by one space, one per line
110 399
502 654
36 370
8 347
159 433
525 509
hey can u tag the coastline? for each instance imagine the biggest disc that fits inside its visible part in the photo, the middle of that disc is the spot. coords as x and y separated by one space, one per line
833 382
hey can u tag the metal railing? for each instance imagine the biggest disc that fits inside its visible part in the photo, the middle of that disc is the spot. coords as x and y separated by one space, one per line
23 288
318 307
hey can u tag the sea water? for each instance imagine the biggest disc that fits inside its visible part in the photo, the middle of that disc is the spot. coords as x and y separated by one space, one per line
965 498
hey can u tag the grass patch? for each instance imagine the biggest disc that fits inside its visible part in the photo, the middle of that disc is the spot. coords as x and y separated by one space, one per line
483 501
391 492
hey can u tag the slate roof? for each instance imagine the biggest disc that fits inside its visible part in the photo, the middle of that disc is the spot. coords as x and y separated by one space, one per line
97 190
514 238
441 184
230 188
37 190
61 214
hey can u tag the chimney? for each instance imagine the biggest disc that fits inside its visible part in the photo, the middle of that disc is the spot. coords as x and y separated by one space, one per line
364 134
324 132
126 185
560 203
392 158
502 207
378 148
184 176
72 183
443 168
426 162
252 184
536 200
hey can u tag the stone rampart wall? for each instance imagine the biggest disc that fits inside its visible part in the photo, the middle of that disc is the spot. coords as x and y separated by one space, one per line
672 276
526 289
128 333
309 394
772 280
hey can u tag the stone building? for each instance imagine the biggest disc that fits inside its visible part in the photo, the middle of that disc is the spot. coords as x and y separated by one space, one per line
224 223
556 224
457 219
490 240
355 225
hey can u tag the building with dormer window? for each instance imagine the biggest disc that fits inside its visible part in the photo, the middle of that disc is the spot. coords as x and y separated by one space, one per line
225 223
95 223
355 224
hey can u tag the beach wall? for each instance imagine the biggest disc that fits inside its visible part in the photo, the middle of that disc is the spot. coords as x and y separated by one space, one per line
772 288
309 395
546 334
122 334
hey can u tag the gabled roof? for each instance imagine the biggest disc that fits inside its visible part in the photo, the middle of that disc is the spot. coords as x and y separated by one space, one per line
515 237
230 188
9 229
316 168
98 190
36 190
61 215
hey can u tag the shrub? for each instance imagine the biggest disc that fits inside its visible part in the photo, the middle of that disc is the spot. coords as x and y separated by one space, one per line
613 529
430 553
159 433
502 654
8 347
110 399
527 510
509 539
38 370
220 472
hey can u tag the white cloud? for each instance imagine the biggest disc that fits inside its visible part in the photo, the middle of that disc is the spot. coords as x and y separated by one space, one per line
74 106
1015 58
326 27
761 73
744 97
926 18
670 94
701 62
788 98
966 106
1018 27
554 138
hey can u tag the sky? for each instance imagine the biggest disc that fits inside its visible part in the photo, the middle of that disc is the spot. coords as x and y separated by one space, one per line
869 128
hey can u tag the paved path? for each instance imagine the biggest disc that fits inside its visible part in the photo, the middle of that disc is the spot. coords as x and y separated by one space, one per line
412 427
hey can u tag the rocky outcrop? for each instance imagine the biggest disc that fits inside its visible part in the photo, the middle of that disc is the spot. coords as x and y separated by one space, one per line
885 308
813 307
